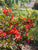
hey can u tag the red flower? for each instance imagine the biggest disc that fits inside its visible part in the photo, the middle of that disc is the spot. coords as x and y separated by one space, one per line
9 10
3 34
14 28
26 34
28 40
5 12
15 31
29 20
30 24
27 26
24 18
21 16
12 16
16 24
18 37
12 31
10 25
8 32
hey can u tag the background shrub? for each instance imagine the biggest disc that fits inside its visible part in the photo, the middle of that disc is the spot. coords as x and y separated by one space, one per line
36 6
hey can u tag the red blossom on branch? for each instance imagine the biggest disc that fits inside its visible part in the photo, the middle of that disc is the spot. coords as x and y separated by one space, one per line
18 37
12 16
29 20
28 40
26 34
27 26
5 12
2 34
9 10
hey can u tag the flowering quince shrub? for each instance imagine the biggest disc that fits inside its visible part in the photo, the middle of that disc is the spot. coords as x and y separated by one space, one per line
14 30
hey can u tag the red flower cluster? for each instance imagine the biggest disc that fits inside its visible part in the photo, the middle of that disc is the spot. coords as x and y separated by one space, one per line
15 32
28 40
19 37
6 11
9 10
9 24
29 24
2 34
26 34
12 16
12 31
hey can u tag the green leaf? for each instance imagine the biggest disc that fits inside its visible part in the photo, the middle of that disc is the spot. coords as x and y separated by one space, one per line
11 47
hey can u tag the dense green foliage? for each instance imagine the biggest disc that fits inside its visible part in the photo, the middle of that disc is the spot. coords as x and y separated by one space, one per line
24 13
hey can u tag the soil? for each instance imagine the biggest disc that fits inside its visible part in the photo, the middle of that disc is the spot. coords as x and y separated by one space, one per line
30 47
26 47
